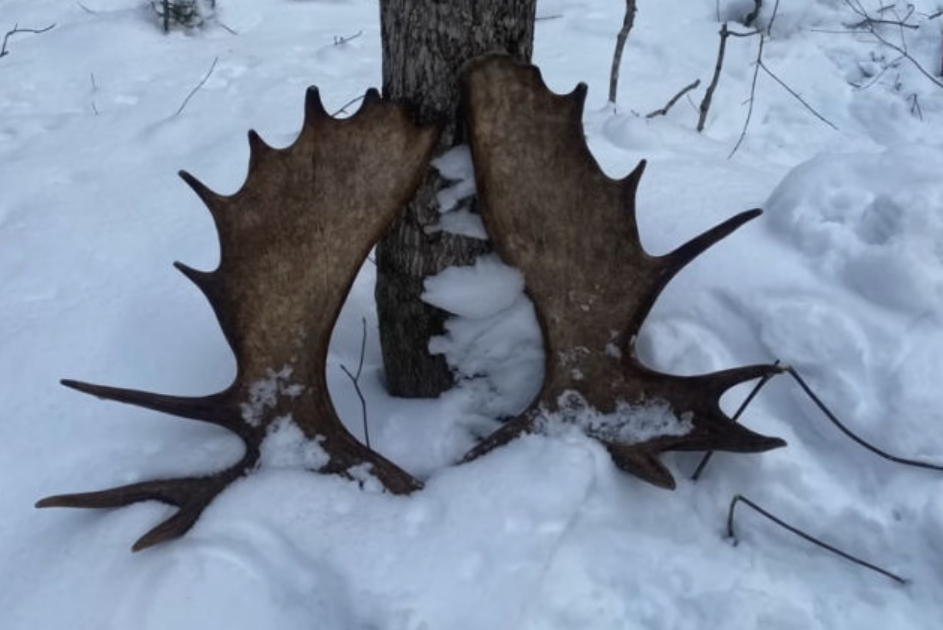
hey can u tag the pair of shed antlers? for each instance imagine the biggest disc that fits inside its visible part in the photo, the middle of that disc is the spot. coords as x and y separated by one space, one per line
293 238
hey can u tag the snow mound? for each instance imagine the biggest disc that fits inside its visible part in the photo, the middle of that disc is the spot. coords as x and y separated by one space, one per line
874 221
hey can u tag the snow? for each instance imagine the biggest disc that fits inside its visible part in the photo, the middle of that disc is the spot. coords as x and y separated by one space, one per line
841 278
264 394
454 199
286 446
628 424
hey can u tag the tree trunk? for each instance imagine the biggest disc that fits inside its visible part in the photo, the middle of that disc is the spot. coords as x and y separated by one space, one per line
425 44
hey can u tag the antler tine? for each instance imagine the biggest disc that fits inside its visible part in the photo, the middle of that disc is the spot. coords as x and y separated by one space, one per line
643 462
314 108
720 382
679 258
511 429
202 279
174 527
113 497
717 432
630 185
215 409
214 201
259 149
190 495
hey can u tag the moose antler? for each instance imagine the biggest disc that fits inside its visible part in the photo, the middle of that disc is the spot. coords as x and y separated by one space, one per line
291 242
572 231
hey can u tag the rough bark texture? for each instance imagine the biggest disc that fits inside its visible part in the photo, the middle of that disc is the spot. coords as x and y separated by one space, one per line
425 43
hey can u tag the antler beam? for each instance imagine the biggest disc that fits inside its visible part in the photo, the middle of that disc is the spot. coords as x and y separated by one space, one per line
291 242
572 231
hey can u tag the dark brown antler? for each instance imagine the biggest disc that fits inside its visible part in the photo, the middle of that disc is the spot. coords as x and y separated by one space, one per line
572 232
291 242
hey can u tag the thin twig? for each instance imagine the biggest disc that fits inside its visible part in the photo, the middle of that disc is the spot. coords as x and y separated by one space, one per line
91 76
752 101
772 18
736 417
627 23
86 9
223 24
906 55
868 24
915 106
555 16
343 110
355 379
196 89
16 30
796 96
674 99
338 41
815 541
841 427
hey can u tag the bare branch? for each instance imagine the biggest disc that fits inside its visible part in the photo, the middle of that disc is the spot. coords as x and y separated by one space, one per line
870 24
343 110
17 30
798 532
772 18
555 16
718 67
841 427
627 23
338 41
197 88
795 95
674 99
750 17
355 379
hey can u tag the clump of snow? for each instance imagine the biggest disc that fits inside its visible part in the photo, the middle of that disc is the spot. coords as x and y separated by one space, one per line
455 199
363 475
455 166
475 291
874 221
264 394
628 424
493 343
286 446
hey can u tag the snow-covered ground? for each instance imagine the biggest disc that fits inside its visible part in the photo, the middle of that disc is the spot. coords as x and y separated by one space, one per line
842 277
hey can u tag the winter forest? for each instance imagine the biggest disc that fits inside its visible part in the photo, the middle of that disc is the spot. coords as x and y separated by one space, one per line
594 314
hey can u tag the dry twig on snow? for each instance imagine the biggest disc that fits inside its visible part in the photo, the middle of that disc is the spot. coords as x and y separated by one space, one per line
355 379
798 532
674 99
17 30
197 88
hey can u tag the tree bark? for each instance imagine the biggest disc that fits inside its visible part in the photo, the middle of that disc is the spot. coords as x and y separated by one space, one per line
425 44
